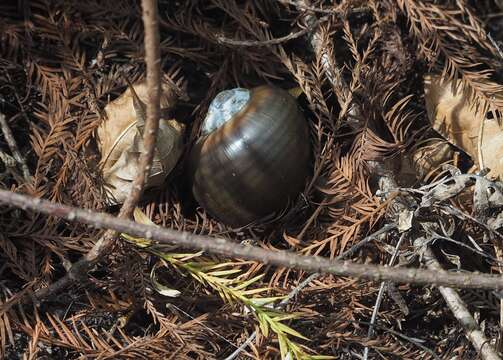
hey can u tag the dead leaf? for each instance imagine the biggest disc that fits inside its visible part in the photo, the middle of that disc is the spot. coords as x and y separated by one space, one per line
160 288
447 189
454 115
405 218
120 143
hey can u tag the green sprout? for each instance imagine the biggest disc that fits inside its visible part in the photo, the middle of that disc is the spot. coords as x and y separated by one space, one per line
228 280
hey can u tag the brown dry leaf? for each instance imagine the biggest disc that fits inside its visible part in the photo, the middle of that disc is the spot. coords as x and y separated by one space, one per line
454 115
120 144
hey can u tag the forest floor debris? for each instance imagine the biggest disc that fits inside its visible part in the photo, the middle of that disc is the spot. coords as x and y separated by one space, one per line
394 161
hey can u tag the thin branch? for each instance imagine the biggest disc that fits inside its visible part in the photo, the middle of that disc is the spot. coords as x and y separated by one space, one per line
242 347
153 61
311 8
479 145
335 10
329 64
9 138
459 310
380 296
366 240
311 278
230 248
221 39
495 44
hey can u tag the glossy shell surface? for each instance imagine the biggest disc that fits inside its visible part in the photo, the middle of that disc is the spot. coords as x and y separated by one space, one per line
254 164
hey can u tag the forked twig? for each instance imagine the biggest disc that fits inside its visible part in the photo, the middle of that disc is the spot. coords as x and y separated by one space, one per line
79 270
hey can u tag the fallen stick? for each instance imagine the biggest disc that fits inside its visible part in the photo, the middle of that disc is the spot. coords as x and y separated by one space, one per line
221 39
461 313
229 248
451 297
78 271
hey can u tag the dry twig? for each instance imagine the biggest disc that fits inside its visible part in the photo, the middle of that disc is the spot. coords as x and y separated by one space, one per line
379 299
231 249
295 291
9 137
221 39
329 64
152 57
460 311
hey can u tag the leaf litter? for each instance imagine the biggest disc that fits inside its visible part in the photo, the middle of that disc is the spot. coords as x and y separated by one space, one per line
65 69
120 142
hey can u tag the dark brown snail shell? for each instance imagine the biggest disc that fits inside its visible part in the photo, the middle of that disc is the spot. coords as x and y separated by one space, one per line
254 164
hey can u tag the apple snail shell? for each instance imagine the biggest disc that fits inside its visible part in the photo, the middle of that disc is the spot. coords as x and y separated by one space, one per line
253 156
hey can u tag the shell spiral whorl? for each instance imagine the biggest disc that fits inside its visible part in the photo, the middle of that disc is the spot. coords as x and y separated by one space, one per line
256 162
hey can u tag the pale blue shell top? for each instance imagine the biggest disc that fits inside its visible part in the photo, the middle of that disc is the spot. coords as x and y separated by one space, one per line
223 107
